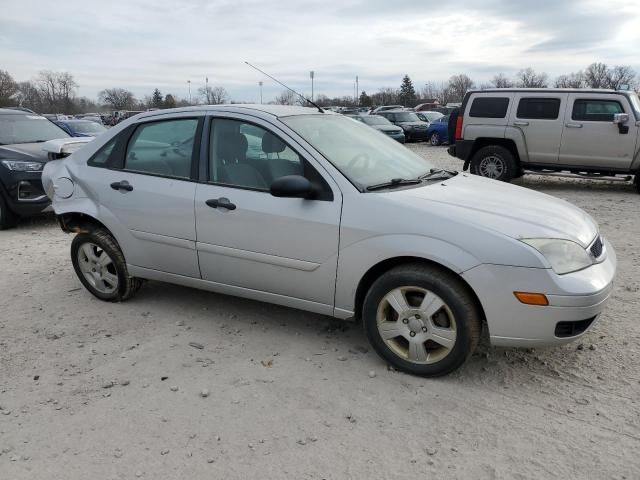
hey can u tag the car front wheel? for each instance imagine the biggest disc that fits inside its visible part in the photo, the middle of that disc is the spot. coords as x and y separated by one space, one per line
7 218
435 139
422 320
101 267
494 162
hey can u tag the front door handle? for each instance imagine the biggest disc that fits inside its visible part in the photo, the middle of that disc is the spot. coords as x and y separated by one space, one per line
522 124
123 185
573 125
221 203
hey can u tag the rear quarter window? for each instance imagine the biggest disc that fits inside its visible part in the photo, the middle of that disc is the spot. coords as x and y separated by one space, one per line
539 108
489 107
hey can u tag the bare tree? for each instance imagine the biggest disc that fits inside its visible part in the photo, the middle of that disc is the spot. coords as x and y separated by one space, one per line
213 95
286 98
117 98
528 78
572 80
596 75
57 90
456 87
8 88
621 75
501 81
28 96
386 96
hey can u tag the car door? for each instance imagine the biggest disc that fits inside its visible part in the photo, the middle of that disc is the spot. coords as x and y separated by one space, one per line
148 189
591 139
258 243
540 119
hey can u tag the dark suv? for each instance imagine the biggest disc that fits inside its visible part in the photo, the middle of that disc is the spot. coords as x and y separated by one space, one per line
414 128
21 162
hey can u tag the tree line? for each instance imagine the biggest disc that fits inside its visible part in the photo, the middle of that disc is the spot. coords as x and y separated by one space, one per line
55 92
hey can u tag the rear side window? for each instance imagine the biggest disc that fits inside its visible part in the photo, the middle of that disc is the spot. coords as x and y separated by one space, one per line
489 107
162 148
596 110
539 108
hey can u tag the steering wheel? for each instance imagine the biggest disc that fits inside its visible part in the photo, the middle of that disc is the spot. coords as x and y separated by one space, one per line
361 157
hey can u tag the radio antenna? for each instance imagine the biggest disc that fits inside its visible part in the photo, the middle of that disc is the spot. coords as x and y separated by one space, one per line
290 89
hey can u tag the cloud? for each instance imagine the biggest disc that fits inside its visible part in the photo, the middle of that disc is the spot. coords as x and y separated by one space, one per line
162 43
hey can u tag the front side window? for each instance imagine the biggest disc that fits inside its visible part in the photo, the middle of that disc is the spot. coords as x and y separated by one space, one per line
539 108
248 156
489 107
162 148
360 153
595 110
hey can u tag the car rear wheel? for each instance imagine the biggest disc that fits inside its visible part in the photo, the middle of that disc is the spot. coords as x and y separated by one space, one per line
494 162
8 219
101 267
435 139
422 320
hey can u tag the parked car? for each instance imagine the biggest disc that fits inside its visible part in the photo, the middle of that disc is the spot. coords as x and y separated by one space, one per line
429 117
81 128
329 216
21 161
504 133
382 125
438 131
54 117
384 108
414 128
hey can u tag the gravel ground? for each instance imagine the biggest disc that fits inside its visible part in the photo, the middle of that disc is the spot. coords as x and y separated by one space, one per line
180 383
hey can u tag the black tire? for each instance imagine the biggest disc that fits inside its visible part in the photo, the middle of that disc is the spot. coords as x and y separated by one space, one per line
8 219
126 287
457 299
636 180
435 139
496 155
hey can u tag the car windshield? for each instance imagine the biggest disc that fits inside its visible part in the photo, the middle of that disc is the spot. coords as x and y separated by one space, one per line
364 156
375 120
406 117
28 129
86 127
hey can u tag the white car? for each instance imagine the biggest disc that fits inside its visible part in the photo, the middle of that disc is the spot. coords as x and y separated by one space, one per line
312 210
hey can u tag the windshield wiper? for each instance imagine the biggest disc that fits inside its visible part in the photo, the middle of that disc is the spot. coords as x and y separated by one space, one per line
437 173
394 182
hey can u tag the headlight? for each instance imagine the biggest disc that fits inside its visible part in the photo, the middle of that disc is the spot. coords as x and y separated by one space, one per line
564 256
19 166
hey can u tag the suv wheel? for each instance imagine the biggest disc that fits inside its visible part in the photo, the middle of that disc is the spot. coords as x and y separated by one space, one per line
422 320
101 267
8 219
435 139
494 162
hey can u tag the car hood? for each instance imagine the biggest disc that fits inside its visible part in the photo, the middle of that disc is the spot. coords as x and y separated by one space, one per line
508 209
30 152
413 124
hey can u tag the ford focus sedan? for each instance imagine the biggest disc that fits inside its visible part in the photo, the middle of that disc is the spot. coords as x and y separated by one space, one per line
314 211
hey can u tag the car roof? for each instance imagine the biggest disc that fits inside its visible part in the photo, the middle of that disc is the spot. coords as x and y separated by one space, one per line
261 110
9 111
550 90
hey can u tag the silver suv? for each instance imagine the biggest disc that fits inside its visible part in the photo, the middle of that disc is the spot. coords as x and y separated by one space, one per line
500 133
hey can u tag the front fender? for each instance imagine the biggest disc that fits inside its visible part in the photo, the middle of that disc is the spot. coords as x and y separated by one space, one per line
359 257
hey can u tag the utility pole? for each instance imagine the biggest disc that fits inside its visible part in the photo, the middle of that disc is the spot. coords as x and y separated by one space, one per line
260 83
311 74
189 83
206 88
357 92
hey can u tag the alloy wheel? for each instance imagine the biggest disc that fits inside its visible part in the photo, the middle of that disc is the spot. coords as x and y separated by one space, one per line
492 166
98 268
416 324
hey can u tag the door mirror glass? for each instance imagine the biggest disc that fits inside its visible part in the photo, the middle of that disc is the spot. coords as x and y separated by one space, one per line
292 186
620 118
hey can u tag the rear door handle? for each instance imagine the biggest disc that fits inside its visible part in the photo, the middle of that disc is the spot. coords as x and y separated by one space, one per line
221 203
573 125
522 124
123 185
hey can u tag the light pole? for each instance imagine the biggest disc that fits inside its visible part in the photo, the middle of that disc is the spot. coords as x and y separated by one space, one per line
311 74
260 83
189 83
357 92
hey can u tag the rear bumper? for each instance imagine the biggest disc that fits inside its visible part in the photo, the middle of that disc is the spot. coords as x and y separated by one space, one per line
461 149
576 300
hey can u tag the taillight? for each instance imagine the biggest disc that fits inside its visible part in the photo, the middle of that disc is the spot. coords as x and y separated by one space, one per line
459 127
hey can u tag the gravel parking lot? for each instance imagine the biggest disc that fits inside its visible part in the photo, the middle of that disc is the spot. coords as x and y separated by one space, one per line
180 383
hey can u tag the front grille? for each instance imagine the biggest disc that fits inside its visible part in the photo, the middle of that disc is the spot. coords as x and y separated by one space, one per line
571 329
596 248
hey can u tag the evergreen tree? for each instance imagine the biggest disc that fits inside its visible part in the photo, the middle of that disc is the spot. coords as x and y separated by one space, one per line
365 100
407 92
157 100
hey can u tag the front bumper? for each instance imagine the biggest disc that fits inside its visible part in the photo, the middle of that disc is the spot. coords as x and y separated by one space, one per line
576 300
416 134
23 192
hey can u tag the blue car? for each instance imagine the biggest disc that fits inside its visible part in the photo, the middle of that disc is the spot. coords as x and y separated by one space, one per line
80 128
437 133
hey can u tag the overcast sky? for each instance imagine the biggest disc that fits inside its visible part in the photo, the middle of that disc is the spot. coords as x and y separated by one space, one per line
143 44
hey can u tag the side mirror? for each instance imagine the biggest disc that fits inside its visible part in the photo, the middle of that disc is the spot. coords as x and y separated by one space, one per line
620 118
292 186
